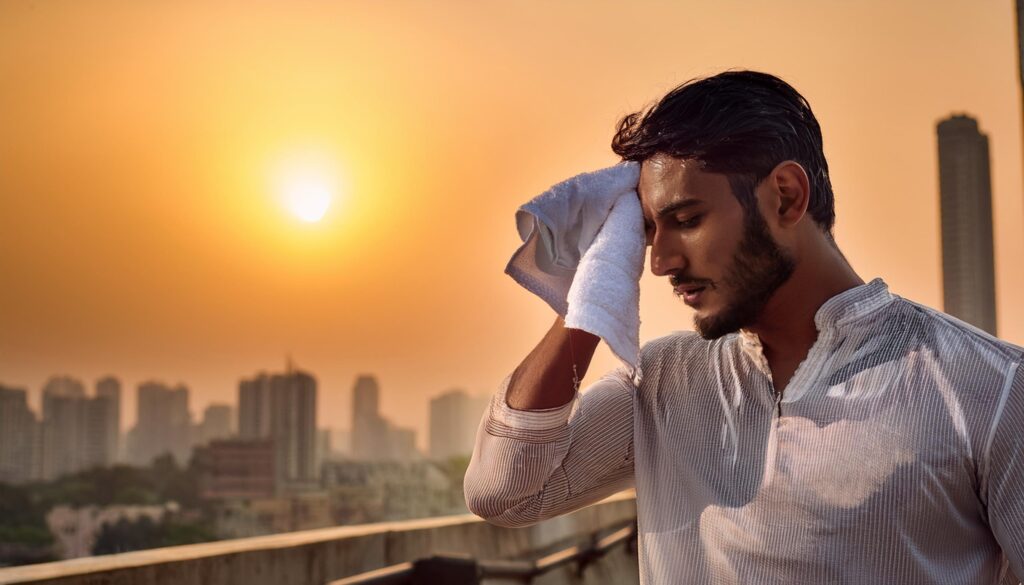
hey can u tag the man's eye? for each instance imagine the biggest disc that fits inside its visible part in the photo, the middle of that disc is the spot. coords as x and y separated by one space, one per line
690 222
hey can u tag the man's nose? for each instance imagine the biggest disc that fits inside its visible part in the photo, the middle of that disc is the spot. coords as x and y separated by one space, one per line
666 258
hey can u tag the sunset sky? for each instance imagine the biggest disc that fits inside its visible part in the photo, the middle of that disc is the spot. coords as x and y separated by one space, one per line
142 146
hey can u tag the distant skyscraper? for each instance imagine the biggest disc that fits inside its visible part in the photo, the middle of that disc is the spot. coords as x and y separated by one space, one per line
454 417
369 429
216 423
75 428
19 434
1020 49
374 438
163 424
293 428
97 421
365 397
968 273
1020 39
63 426
254 407
109 388
282 407
402 444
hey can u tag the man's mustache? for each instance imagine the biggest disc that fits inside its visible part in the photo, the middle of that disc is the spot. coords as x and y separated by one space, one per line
682 279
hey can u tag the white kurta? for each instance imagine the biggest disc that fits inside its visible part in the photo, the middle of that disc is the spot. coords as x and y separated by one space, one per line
895 454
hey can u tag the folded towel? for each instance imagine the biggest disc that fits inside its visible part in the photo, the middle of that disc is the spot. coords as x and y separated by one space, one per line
583 253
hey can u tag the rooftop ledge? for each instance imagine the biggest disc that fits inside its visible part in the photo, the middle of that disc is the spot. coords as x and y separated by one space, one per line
315 557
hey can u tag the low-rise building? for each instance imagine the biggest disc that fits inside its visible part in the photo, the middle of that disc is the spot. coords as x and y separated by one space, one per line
240 517
375 491
236 468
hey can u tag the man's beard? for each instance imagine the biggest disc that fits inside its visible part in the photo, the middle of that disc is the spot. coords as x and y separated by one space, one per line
759 267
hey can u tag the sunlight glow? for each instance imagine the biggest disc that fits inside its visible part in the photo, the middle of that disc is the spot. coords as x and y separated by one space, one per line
308 198
306 188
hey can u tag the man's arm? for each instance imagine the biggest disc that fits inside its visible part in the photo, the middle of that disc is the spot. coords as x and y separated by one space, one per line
1004 486
545 379
542 450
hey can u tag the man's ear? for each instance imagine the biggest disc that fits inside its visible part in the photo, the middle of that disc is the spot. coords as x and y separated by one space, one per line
791 187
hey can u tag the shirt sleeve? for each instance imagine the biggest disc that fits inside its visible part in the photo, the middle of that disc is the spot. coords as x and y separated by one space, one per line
530 465
1004 488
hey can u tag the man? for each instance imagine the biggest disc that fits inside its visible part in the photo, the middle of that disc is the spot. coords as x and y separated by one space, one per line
815 429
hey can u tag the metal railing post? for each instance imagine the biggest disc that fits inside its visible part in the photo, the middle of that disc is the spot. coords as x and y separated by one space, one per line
447 569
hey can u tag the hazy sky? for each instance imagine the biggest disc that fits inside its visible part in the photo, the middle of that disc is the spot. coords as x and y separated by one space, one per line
141 232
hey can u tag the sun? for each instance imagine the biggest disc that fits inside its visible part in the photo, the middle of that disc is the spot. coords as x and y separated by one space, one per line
308 198
306 188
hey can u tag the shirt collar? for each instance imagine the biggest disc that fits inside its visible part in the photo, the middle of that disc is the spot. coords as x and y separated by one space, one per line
842 308
852 304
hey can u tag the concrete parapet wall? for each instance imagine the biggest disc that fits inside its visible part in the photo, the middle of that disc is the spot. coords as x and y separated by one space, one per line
314 557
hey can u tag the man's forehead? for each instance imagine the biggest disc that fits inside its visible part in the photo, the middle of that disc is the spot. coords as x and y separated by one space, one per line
665 180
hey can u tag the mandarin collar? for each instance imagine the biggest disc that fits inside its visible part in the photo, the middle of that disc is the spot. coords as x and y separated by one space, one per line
844 307
852 304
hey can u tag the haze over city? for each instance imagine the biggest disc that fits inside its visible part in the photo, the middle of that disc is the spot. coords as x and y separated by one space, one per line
146 230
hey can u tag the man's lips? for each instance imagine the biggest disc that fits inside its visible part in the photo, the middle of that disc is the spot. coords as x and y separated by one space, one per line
690 293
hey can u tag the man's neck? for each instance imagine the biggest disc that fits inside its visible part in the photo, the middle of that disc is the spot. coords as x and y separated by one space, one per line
786 326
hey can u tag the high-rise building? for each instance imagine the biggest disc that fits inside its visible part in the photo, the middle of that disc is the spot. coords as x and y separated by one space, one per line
968 271
97 421
293 428
63 426
374 438
282 408
216 423
254 407
75 428
109 388
365 397
454 417
401 444
323 444
1020 49
19 434
164 424
1020 40
369 429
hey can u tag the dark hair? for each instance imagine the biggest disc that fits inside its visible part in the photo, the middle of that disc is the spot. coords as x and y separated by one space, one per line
738 123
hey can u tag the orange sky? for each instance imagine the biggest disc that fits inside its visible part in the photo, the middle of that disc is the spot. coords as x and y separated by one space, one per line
140 235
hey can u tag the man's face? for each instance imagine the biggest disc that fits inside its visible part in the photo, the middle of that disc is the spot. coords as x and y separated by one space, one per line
720 260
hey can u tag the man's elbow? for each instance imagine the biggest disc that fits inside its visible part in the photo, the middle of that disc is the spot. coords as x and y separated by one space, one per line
500 509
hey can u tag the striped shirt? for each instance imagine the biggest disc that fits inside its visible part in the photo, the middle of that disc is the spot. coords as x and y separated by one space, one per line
894 455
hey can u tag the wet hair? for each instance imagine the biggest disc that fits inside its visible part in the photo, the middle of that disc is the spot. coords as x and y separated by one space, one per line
738 123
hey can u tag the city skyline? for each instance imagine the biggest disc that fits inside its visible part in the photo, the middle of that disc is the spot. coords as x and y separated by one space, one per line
139 241
110 385
76 429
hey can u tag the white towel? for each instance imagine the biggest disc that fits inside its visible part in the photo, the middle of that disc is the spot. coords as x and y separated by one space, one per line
583 253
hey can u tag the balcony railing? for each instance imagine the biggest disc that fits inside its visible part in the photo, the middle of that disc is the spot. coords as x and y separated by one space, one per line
557 547
466 570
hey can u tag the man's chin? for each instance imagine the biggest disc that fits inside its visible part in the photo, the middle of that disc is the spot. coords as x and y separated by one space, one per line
715 325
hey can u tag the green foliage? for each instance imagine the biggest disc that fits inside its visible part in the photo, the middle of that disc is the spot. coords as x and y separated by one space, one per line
23 519
23 508
143 533
126 535
26 534
165 481
101 487
175 533
18 508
